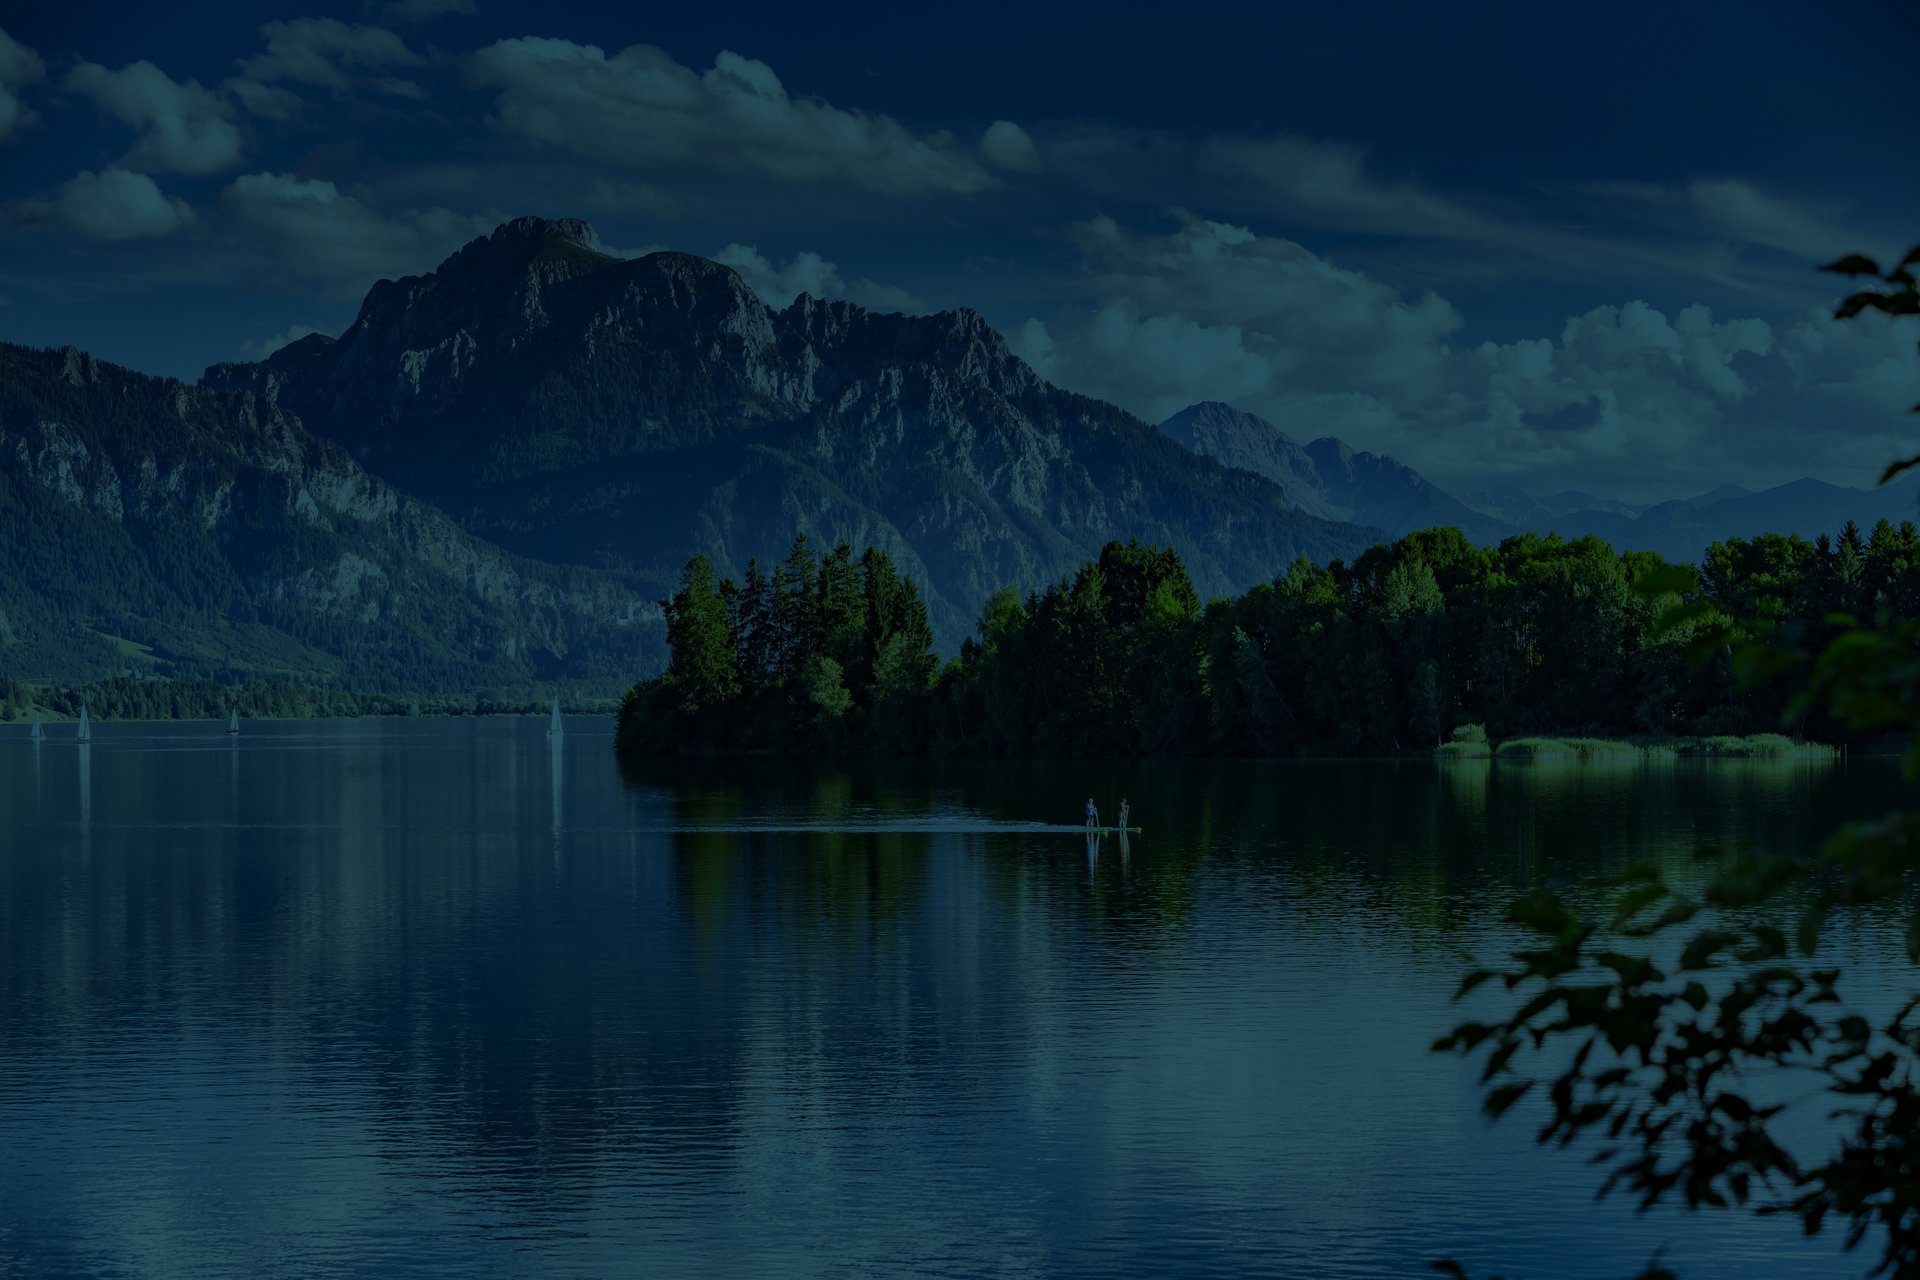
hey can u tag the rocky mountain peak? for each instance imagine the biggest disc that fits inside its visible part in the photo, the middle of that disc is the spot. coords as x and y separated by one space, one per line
1214 421
1333 455
525 239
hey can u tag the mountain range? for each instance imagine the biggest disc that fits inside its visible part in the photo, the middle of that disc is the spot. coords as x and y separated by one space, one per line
157 527
622 414
496 472
1329 479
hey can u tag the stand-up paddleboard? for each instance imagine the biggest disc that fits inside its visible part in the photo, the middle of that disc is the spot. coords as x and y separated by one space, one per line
1107 831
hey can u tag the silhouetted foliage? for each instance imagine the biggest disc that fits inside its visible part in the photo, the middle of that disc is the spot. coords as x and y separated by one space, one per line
1662 1027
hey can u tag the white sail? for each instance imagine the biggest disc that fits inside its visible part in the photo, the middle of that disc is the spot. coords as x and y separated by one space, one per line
233 721
85 732
38 732
554 728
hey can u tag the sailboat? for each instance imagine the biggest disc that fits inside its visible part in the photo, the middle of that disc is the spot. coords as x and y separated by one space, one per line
85 732
38 734
554 729
233 721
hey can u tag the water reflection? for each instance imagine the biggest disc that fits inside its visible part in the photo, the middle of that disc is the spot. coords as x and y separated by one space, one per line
452 1030
85 753
556 747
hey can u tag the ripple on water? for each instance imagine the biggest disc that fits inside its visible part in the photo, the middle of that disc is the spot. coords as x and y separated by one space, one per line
429 1000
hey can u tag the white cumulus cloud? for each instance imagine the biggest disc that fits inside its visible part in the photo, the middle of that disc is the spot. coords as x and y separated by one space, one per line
184 128
113 204
1622 397
1007 146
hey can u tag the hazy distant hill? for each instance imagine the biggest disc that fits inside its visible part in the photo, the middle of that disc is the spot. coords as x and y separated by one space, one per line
1682 530
1330 479
627 413
1327 477
1525 511
152 526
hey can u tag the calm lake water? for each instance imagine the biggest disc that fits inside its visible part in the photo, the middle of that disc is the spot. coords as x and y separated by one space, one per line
434 998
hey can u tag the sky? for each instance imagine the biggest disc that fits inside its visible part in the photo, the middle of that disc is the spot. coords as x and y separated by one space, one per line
1544 247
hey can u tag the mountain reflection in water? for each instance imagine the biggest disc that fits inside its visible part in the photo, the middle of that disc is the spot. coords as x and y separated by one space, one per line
454 998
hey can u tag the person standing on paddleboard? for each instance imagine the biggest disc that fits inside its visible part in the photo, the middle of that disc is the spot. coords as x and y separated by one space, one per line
1124 811
1093 814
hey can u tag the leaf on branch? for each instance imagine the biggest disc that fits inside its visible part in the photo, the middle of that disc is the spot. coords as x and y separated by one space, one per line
1635 900
1473 980
1500 1101
1854 264
1703 946
1902 466
1543 912
1667 580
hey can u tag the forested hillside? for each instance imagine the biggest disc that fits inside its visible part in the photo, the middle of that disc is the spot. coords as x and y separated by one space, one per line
150 527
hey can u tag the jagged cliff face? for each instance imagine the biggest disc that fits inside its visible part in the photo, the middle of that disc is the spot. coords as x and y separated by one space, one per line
629 413
205 529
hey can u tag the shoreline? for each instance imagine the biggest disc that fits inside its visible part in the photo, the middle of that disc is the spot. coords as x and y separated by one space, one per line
1753 746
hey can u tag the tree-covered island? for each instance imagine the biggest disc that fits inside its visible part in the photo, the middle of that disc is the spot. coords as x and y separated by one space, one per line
1386 655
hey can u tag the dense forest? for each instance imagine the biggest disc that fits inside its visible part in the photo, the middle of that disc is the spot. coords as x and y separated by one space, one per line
1386 655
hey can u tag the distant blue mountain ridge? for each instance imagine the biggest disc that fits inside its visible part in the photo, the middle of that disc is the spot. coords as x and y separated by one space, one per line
1328 478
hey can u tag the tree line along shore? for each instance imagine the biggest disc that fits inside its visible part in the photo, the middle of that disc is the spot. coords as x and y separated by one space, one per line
1536 648
129 697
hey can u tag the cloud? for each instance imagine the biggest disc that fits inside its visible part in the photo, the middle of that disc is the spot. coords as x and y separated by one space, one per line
111 205
1305 182
184 128
1620 398
314 227
641 110
1738 213
268 101
1007 146
19 66
1652 236
261 348
324 53
1743 213
1214 296
417 11
812 274
1327 184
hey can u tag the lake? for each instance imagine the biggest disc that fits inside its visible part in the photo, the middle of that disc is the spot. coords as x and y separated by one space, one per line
438 997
